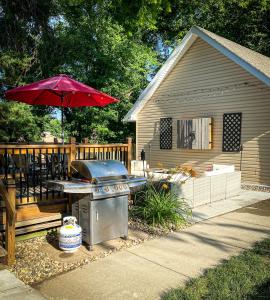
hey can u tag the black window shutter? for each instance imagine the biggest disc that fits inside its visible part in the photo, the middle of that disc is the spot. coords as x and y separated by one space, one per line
166 133
231 139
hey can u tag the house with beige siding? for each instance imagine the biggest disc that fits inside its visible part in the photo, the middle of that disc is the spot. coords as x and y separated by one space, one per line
208 104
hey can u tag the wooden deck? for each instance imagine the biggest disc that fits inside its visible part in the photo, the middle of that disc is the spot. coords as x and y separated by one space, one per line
36 216
27 206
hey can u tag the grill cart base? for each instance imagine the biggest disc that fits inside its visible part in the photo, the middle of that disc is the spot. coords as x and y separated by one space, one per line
101 220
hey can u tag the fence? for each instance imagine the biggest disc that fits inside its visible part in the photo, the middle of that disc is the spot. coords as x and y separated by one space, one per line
28 167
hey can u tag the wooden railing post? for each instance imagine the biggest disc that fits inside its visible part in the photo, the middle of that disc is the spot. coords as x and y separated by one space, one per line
85 140
72 153
10 203
71 157
11 221
129 154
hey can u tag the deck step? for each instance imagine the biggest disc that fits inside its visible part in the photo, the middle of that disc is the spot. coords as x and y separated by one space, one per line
37 224
38 227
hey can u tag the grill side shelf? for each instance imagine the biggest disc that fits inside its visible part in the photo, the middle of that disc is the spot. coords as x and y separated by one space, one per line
69 186
98 191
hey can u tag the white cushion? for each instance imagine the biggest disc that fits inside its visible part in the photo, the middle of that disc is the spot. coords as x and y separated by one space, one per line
228 168
220 169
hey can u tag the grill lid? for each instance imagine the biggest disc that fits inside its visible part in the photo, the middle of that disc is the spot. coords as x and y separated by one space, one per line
101 170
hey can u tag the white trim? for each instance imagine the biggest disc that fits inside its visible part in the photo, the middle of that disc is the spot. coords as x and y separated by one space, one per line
175 57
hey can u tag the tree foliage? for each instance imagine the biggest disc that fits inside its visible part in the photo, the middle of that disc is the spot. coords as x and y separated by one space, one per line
246 22
113 45
109 60
18 123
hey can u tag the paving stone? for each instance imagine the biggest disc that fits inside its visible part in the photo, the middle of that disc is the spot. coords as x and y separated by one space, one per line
14 289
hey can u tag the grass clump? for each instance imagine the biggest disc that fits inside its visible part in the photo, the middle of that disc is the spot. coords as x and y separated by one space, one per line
156 204
246 276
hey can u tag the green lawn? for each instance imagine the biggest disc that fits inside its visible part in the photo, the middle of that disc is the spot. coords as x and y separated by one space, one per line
246 276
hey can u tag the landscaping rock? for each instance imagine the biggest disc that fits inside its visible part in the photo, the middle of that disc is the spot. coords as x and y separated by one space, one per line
39 258
254 187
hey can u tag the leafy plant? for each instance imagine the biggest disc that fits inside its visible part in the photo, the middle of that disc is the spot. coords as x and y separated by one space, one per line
158 205
17 122
186 170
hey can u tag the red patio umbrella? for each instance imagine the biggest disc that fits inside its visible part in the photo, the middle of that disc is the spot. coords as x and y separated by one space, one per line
60 90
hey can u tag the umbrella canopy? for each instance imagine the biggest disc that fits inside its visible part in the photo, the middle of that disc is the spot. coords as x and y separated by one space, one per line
60 90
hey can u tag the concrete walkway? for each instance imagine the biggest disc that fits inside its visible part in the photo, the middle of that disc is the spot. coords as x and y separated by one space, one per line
11 288
150 269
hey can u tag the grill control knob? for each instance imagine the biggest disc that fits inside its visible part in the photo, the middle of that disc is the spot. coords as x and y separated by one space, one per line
97 190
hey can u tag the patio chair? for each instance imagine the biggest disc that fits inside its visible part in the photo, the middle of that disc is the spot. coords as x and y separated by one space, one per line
58 165
20 170
2 164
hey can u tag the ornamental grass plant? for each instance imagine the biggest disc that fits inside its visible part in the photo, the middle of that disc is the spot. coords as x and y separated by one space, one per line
157 205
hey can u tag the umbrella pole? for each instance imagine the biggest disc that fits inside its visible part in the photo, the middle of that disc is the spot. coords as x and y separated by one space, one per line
62 118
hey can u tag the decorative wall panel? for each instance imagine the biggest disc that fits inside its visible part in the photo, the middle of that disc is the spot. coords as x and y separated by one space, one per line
231 139
166 133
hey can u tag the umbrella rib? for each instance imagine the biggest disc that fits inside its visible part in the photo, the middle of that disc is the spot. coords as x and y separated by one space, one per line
54 92
42 92
36 98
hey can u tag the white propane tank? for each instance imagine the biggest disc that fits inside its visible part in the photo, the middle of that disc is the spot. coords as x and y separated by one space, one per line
70 235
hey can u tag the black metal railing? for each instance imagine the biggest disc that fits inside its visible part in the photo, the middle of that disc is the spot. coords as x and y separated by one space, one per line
32 165
31 168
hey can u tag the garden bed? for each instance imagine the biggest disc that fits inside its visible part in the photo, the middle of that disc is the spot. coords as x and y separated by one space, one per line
202 190
205 190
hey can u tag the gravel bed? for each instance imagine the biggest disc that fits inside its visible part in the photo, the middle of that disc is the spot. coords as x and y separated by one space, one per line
155 231
34 264
254 187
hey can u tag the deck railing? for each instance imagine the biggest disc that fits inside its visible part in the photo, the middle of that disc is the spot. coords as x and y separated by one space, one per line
30 166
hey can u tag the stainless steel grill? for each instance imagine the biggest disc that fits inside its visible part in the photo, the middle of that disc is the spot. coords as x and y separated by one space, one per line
100 192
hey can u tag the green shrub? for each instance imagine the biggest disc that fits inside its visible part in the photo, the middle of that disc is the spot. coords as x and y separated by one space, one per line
158 205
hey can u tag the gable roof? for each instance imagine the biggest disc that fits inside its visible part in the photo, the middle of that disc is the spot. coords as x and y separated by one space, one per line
255 63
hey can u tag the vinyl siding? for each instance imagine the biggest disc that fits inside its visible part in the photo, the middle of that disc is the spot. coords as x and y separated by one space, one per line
205 83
